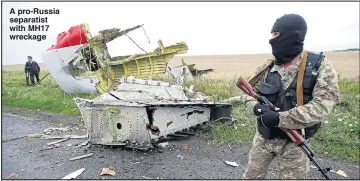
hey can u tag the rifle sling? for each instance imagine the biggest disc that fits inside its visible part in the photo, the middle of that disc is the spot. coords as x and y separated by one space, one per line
299 85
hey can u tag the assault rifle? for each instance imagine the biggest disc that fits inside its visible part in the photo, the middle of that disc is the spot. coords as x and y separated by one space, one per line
292 134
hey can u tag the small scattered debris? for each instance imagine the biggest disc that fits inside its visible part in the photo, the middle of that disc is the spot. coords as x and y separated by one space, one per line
66 136
326 121
185 147
179 156
51 147
163 144
135 163
312 166
107 171
54 129
146 177
74 174
340 120
340 172
82 144
234 164
35 135
243 124
58 141
22 170
13 175
80 157
60 164
229 146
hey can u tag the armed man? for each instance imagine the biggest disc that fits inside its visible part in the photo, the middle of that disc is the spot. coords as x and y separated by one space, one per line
32 68
302 86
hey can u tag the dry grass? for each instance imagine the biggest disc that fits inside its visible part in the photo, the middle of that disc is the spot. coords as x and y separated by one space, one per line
346 63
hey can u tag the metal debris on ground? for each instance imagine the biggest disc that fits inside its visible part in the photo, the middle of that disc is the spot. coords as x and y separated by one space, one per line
185 147
47 137
51 147
82 144
80 157
164 144
73 174
51 129
234 164
35 135
229 146
107 171
340 172
58 141
13 175
179 156
146 177
140 114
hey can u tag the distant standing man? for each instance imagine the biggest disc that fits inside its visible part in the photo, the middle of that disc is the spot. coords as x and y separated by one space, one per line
303 103
33 69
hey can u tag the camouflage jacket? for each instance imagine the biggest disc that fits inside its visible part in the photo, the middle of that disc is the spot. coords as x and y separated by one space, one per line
325 94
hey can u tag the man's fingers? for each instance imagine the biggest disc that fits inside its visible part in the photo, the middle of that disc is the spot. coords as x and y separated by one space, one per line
274 108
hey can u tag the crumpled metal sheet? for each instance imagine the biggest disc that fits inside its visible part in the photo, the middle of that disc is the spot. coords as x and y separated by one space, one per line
61 72
137 114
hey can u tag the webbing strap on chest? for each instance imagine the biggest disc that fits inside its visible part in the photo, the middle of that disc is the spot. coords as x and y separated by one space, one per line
260 72
299 84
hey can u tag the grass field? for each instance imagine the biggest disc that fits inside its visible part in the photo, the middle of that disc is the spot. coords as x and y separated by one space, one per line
338 137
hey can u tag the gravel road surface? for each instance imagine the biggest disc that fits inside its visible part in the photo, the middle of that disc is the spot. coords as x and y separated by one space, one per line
27 158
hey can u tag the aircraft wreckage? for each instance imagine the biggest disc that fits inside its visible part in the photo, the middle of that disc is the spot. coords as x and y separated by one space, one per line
81 63
131 111
141 113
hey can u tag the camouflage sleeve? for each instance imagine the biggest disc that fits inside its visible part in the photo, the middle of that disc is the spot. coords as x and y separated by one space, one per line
249 101
325 94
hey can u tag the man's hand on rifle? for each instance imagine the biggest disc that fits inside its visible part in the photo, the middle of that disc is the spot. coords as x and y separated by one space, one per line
269 118
259 107
267 114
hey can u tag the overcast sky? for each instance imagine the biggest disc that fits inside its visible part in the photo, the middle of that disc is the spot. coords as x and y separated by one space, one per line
207 27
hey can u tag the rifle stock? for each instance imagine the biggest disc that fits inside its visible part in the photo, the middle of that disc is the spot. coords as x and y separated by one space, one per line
292 134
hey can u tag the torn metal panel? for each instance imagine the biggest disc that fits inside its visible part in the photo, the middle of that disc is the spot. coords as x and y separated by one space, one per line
139 114
194 71
64 75
186 72
181 74
81 63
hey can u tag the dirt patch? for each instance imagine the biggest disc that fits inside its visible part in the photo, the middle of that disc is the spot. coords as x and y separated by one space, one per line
203 158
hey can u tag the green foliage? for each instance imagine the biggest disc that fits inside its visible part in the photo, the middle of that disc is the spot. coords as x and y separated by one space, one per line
46 96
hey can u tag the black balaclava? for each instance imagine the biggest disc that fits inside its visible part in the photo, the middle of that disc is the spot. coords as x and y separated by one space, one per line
290 42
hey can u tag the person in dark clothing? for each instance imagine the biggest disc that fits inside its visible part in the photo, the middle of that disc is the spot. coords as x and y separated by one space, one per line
33 69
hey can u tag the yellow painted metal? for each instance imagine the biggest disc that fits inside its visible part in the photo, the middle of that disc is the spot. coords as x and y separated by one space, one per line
140 66
151 66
